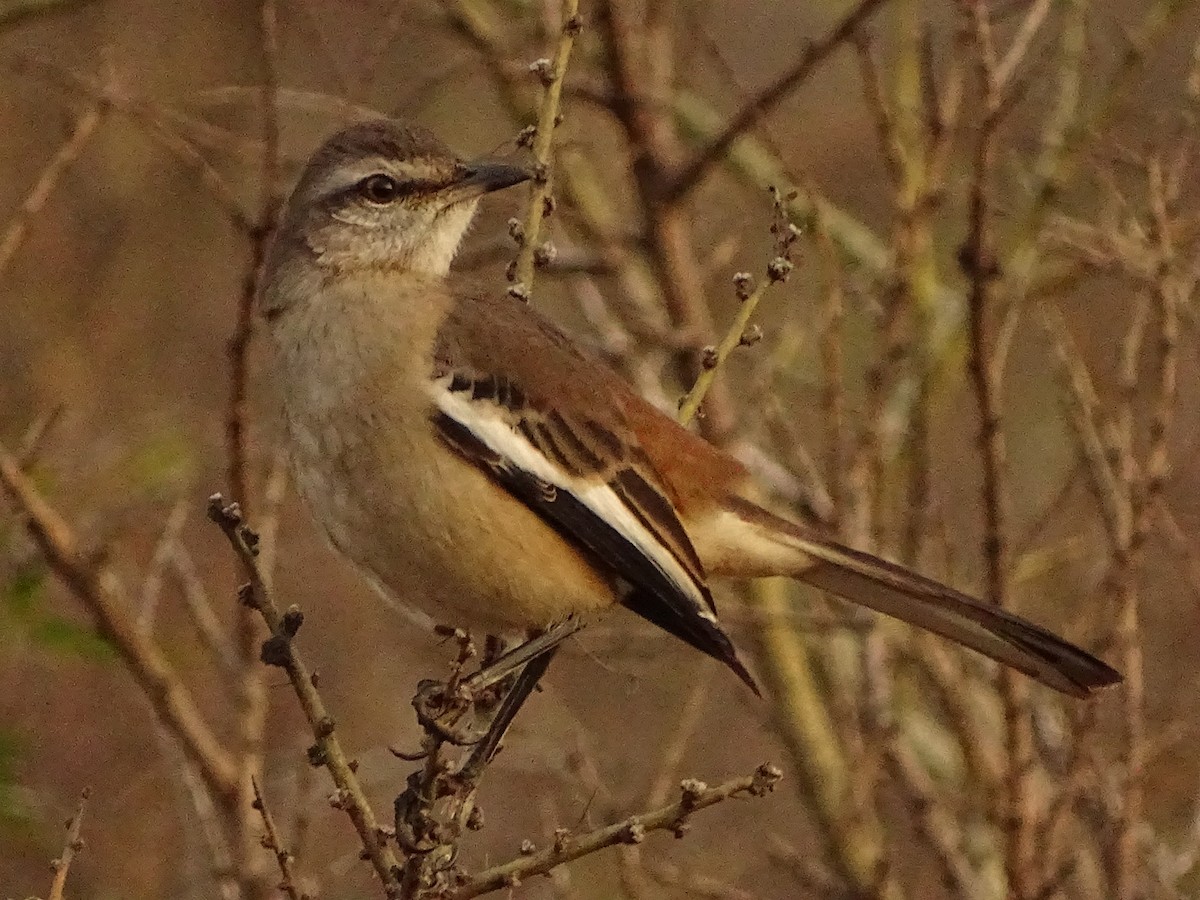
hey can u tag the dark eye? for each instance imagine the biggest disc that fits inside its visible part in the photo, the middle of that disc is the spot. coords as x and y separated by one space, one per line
380 188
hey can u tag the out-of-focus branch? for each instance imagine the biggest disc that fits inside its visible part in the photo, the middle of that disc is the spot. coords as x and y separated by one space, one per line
74 844
280 649
97 587
696 796
154 121
14 11
815 54
940 830
251 692
551 75
271 841
642 94
35 200
980 263
806 726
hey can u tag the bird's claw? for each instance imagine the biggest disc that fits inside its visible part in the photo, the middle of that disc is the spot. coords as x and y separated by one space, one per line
439 710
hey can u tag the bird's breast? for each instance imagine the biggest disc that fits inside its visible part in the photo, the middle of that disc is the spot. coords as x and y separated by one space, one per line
433 529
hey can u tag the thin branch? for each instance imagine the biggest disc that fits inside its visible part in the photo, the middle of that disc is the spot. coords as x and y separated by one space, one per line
281 650
738 334
74 844
1035 17
551 75
272 842
815 54
201 612
152 582
153 120
251 693
51 174
979 261
942 832
642 95
97 587
696 796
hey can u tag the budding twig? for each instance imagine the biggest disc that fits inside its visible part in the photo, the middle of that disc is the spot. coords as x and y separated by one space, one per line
694 796
551 75
778 270
281 650
74 844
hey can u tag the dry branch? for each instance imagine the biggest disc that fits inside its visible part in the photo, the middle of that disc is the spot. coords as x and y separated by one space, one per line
815 54
271 841
280 649
36 199
91 580
696 796
551 75
74 844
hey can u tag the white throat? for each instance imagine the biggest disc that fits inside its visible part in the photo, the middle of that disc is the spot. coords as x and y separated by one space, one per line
434 254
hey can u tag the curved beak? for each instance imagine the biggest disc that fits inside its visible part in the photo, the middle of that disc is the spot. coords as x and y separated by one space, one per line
484 176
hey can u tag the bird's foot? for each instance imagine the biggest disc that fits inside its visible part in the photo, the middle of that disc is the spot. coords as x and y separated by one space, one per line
440 710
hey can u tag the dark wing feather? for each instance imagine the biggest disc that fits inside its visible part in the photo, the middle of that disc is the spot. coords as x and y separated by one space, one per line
591 452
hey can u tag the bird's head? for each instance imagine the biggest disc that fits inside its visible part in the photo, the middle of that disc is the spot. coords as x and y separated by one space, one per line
385 194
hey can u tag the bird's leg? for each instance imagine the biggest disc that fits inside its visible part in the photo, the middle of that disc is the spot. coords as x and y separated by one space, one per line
519 656
523 685
440 706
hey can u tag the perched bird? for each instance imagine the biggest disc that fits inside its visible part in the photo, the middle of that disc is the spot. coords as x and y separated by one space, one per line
475 461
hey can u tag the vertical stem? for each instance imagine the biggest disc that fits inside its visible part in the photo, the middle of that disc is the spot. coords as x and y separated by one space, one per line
251 693
979 261
543 140
643 109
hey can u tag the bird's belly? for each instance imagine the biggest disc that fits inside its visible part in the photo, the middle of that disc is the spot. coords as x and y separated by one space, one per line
437 533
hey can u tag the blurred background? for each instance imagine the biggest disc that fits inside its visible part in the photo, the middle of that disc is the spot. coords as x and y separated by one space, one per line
994 200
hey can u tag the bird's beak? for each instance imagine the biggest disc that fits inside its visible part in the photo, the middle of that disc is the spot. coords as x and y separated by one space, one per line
484 176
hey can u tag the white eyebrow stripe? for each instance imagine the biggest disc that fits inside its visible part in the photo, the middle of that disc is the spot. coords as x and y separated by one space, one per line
487 422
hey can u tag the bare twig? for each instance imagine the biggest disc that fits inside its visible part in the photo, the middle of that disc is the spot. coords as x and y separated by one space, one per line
251 692
815 54
777 272
152 582
696 796
642 91
208 625
980 263
36 199
281 650
74 844
98 588
154 120
271 842
551 75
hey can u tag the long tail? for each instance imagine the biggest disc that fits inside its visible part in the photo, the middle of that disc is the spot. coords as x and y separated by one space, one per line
755 542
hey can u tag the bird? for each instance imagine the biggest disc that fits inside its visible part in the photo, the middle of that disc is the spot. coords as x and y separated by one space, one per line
475 461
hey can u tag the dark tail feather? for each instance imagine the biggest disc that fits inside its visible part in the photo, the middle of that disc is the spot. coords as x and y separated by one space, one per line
906 595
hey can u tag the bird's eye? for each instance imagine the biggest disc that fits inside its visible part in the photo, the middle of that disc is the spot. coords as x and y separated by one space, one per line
380 188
